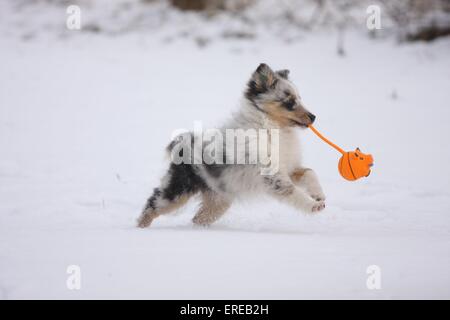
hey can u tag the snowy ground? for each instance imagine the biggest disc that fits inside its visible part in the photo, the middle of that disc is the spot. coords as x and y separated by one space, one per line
83 123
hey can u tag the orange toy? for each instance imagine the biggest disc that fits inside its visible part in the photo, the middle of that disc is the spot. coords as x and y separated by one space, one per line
353 164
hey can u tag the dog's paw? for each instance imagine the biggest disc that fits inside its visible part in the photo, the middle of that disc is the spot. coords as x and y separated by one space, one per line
145 220
318 206
316 192
201 221
319 196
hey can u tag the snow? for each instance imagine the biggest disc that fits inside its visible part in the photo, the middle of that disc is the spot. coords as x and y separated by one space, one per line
83 123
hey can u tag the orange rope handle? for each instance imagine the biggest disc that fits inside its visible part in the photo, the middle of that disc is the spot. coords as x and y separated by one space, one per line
325 139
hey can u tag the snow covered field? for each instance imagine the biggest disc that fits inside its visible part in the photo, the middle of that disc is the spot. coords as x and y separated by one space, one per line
83 124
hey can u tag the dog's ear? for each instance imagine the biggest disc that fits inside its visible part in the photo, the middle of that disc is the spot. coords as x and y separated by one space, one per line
283 73
264 77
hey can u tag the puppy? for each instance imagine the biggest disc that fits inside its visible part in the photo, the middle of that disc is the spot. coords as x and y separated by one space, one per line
270 103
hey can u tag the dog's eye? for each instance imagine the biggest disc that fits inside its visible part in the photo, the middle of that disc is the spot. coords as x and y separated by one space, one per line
289 104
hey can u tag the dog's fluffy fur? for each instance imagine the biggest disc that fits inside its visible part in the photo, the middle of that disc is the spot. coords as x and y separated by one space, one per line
270 102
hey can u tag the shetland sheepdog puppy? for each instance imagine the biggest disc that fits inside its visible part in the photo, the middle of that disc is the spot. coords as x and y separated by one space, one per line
270 103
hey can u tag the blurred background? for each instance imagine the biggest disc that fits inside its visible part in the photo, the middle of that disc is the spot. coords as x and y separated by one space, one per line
206 21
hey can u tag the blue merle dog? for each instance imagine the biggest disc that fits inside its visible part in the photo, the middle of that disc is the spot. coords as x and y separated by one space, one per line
270 101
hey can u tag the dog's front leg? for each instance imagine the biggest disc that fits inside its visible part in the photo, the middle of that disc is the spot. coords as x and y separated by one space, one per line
285 190
307 179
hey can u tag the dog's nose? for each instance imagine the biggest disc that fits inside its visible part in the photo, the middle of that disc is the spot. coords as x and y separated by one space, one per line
311 117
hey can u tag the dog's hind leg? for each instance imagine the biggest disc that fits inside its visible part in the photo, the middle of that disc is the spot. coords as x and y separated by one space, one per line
180 183
157 205
307 178
213 206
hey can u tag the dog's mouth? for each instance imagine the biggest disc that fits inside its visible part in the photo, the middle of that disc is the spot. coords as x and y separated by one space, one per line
299 124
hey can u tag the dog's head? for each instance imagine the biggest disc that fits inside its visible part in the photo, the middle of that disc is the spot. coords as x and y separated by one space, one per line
273 93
